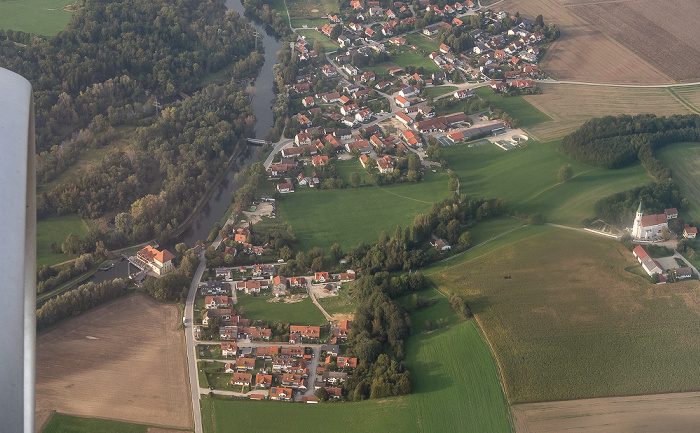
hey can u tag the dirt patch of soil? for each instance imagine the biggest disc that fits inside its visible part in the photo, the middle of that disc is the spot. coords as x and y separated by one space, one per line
291 299
125 360
339 317
679 413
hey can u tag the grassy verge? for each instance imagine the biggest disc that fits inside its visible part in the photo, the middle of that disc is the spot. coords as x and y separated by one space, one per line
434 92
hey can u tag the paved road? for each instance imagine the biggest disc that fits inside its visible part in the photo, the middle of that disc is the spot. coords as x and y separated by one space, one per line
190 343
690 265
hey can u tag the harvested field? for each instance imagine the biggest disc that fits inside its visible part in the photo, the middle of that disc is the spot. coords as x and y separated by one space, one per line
585 52
665 34
678 413
570 105
125 360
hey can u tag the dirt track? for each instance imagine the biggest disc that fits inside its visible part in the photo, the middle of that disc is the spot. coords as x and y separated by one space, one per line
677 413
124 361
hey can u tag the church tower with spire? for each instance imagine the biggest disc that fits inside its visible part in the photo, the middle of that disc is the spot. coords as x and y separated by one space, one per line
637 227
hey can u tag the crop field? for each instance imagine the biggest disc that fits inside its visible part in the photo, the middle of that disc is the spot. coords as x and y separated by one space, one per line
570 105
570 322
455 388
674 45
678 413
300 10
312 35
684 161
353 215
516 106
688 96
571 57
125 360
41 17
526 179
61 423
296 313
55 230
428 45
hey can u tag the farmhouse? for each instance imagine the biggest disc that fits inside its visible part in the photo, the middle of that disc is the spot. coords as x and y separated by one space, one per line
648 227
650 265
690 232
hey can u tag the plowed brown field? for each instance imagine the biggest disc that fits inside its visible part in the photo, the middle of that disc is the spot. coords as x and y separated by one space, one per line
124 361
677 413
636 48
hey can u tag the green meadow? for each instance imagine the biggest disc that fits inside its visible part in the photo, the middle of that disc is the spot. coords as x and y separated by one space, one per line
41 17
434 92
526 179
684 161
297 313
341 304
408 57
55 230
568 320
515 106
422 42
312 35
353 215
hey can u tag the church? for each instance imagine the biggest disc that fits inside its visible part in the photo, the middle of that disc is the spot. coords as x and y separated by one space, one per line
650 226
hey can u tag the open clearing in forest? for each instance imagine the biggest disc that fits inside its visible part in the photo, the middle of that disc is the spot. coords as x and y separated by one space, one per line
55 230
684 161
572 322
570 105
571 56
41 17
678 413
124 360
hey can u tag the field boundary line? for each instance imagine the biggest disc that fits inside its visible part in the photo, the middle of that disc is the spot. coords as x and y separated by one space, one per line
501 377
640 86
681 100
403 196
500 235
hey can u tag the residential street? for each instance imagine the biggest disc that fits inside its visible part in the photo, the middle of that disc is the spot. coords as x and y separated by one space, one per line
190 343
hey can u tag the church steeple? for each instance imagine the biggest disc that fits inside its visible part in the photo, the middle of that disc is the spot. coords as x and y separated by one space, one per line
637 227
639 209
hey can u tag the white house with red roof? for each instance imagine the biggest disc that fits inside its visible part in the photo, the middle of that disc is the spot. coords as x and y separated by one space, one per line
159 262
650 265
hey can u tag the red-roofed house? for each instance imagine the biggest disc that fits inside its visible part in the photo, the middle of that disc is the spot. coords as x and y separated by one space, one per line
690 232
242 379
282 394
159 262
402 102
313 332
321 276
263 380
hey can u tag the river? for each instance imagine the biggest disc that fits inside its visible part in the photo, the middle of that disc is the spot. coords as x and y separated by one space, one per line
262 98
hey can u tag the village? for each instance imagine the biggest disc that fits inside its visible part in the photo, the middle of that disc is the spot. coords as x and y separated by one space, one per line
351 108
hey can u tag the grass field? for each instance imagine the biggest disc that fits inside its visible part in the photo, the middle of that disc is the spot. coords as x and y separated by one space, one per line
434 92
572 323
570 105
61 423
55 230
515 106
341 304
349 166
302 10
408 57
349 216
297 313
526 179
684 161
455 388
41 17
312 35
422 42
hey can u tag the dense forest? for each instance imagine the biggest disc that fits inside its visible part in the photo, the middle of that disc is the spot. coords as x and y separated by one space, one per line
614 142
163 46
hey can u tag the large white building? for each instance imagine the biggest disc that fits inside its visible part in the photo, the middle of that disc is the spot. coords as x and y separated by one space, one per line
648 227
